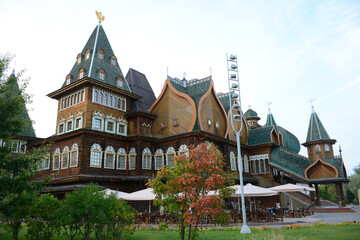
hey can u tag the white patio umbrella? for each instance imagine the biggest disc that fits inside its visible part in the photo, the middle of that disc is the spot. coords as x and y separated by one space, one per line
118 194
291 188
252 191
142 195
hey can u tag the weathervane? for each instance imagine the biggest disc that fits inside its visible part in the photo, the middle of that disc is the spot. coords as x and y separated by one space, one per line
268 103
312 100
100 16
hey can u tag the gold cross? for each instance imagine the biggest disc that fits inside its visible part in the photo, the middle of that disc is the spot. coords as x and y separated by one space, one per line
100 16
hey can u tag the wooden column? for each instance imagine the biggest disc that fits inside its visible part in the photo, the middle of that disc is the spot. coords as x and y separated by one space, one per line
312 195
317 198
340 195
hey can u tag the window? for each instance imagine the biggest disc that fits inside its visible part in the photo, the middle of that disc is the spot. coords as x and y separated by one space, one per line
74 154
122 127
209 122
87 54
232 161
146 159
110 126
22 147
78 122
78 60
123 105
101 55
95 96
252 167
45 163
159 159
97 123
120 83
132 159
72 99
109 157
56 159
267 166
113 61
121 159
246 164
61 128
65 158
69 126
327 148
102 74
109 101
317 148
105 99
170 155
14 146
262 166
176 122
163 124
68 79
81 73
217 125
100 97
95 155
257 166
183 150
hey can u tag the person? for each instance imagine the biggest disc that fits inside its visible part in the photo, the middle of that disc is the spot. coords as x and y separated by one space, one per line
277 206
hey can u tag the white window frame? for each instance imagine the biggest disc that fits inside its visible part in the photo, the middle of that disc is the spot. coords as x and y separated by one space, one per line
109 151
159 153
146 159
65 152
74 149
72 125
183 150
57 154
121 153
107 121
317 148
21 143
232 161
81 123
170 151
246 164
95 148
99 117
327 148
132 159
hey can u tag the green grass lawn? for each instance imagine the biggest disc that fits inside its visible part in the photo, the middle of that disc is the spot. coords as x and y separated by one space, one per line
314 232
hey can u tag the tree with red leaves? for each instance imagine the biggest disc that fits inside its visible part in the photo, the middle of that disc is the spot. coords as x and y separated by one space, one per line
195 188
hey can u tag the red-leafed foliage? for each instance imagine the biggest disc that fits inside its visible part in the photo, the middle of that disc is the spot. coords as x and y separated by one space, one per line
195 188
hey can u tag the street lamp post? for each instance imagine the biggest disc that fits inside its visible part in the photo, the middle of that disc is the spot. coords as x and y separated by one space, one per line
236 117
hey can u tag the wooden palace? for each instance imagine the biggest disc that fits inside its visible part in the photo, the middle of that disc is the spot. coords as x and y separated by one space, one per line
112 130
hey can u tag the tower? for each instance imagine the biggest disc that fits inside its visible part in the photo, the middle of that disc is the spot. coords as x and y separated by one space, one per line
252 118
318 142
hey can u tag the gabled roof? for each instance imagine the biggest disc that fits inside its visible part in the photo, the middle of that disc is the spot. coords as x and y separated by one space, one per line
140 86
99 40
316 130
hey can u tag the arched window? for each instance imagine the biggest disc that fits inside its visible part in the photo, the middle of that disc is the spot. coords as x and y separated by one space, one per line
81 73
183 150
109 161
95 95
252 167
109 100
121 159
327 148
56 159
95 155
113 60
101 55
120 82
65 158
74 154
317 148
267 166
68 79
114 102
100 97
170 155
87 54
132 159
246 164
146 159
257 167
123 105
78 58
105 99
159 159
102 74
232 161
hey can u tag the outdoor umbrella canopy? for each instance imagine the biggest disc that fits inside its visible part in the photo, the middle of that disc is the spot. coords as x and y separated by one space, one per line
118 194
253 191
142 195
290 188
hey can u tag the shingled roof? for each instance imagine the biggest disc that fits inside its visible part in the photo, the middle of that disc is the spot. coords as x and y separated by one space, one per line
261 135
290 141
140 86
251 114
270 121
316 130
91 66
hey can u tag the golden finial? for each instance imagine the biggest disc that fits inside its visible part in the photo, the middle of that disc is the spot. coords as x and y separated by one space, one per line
100 16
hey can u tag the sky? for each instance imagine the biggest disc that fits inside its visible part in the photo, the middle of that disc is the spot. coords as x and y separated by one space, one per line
288 53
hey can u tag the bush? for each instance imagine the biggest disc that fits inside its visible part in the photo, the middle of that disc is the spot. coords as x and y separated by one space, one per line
42 221
163 226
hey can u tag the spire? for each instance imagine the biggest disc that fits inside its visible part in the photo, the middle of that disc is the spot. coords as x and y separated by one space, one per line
270 120
92 63
316 130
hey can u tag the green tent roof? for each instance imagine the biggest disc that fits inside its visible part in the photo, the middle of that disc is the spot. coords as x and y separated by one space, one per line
99 40
251 114
316 130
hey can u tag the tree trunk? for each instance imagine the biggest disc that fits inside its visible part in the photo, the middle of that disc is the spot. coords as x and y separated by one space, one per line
189 236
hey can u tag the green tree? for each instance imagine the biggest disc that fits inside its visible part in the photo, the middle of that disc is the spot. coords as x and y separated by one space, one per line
17 193
43 218
188 188
328 192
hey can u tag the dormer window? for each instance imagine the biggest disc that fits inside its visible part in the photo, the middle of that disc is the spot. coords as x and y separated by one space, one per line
102 74
209 122
101 55
68 79
78 59
120 82
87 54
113 61
81 73
176 122
217 125
163 124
